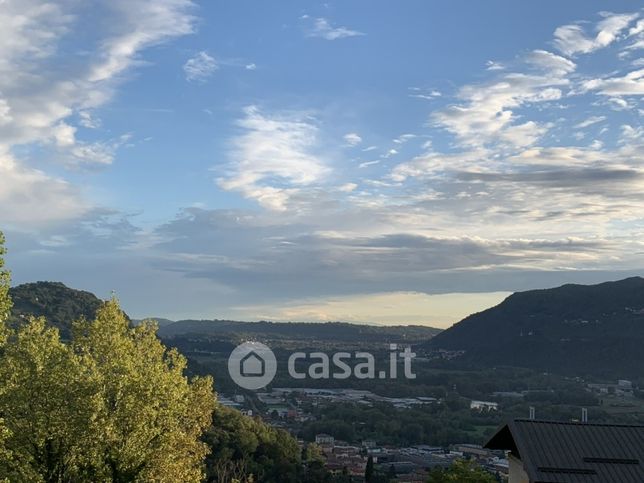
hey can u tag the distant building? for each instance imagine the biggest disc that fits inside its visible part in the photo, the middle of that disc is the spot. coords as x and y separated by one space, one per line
623 388
548 452
625 384
472 450
484 406
324 439
224 401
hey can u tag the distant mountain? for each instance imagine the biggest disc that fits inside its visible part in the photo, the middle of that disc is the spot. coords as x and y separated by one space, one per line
59 304
161 322
573 329
339 331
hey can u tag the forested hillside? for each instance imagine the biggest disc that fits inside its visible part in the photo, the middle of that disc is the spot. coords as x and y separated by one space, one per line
59 304
573 329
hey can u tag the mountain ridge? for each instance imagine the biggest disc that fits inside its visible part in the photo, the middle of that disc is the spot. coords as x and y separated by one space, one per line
572 329
61 305
58 303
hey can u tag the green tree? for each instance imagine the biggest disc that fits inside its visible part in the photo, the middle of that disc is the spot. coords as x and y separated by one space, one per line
111 406
245 447
461 471
314 463
5 308
46 406
151 416
5 300
368 472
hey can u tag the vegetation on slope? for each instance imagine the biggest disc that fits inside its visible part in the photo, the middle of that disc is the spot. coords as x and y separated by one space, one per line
57 303
573 329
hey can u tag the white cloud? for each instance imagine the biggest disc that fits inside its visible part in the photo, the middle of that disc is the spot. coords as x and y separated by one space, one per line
322 28
31 198
30 30
557 65
619 104
352 139
636 45
485 114
141 24
5 112
403 138
390 153
368 163
572 39
347 187
628 85
447 219
273 158
200 67
64 134
590 121
88 121
93 153
427 94
45 88
637 29
250 67
492 65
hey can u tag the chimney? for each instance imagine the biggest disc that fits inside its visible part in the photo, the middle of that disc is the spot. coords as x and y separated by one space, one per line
532 413
584 415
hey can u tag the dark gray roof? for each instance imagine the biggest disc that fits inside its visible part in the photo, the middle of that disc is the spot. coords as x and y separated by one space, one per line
559 452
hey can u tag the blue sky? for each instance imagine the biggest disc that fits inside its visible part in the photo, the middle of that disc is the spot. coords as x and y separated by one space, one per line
389 162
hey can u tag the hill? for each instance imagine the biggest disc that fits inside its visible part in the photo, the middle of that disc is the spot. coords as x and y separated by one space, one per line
572 329
59 304
161 322
302 331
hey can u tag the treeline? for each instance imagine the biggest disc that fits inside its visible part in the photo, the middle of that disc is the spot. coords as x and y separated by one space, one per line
58 304
436 425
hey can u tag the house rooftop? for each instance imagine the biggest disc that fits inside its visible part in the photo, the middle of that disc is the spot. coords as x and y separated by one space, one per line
567 452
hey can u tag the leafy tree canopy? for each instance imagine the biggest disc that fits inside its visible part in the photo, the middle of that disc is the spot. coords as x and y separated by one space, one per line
461 471
247 449
113 405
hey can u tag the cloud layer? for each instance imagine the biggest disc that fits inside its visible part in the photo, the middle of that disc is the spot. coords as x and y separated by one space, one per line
46 94
529 174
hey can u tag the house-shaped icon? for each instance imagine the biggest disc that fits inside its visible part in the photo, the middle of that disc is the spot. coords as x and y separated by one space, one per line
252 365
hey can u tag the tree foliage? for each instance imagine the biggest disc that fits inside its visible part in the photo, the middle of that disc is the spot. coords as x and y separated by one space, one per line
5 300
314 465
60 305
113 405
461 471
5 307
247 449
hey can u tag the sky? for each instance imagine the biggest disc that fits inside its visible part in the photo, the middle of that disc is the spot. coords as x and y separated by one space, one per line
367 161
